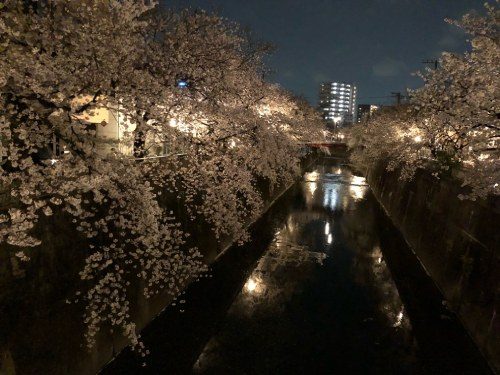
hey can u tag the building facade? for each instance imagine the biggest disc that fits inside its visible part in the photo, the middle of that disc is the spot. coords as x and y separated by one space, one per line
337 102
365 111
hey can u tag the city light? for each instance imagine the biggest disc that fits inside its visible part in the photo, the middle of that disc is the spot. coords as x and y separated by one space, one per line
338 101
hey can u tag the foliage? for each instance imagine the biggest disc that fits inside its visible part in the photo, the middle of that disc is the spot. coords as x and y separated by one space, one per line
66 67
452 124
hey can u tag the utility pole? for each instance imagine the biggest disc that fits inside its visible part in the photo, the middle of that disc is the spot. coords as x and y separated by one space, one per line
398 97
433 62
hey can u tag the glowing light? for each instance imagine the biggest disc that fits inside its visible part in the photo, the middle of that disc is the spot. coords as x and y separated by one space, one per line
254 285
183 127
417 139
329 239
358 187
311 176
357 192
358 180
327 228
330 198
182 84
312 187
399 319
251 285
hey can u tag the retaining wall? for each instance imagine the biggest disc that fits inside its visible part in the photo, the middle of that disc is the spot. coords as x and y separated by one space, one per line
458 243
39 332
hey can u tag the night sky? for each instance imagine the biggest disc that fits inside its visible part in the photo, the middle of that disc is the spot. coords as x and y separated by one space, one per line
376 44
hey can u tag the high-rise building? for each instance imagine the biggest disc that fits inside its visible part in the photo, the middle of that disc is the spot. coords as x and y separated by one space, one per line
365 111
337 102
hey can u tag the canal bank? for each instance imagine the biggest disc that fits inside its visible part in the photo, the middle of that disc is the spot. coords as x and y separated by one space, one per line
40 333
325 285
457 242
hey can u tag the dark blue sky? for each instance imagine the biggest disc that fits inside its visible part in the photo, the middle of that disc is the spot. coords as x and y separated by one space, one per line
376 44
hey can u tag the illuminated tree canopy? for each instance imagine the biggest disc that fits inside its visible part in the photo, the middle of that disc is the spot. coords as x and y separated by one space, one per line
452 124
108 104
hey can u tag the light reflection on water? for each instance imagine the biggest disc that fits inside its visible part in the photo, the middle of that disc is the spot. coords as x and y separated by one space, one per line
390 304
265 285
339 186
331 224
311 185
269 286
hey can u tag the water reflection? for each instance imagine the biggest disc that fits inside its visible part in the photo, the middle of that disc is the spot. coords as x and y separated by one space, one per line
340 188
298 294
358 187
330 198
369 268
269 284
311 179
375 272
277 277
312 293
254 286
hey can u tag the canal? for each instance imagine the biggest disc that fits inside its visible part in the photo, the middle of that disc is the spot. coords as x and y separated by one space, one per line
326 285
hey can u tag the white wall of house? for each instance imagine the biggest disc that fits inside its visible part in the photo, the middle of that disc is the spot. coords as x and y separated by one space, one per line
113 129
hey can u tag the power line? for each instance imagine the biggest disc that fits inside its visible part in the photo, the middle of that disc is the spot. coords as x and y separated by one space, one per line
398 97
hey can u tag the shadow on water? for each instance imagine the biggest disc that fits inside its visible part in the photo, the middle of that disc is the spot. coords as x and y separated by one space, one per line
326 285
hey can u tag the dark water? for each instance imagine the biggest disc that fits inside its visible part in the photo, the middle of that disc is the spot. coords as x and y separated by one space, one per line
326 286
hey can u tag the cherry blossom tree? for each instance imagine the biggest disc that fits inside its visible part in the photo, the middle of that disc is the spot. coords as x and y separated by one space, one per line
452 124
390 135
195 119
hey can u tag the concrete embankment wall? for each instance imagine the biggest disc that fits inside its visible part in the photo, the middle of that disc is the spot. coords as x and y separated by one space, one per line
457 242
39 332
